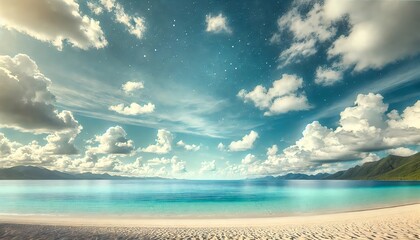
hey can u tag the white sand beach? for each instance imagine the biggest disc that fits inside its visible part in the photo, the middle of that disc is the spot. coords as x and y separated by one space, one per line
402 222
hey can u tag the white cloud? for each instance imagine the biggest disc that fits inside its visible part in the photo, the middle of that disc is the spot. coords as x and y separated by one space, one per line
221 146
163 143
30 154
217 24
370 157
288 103
362 130
26 102
372 41
134 25
188 147
133 109
52 21
113 141
307 29
158 161
409 118
297 51
157 167
14 153
130 87
7 146
208 166
327 76
248 159
282 97
62 143
162 167
247 142
178 166
375 40
108 4
106 164
271 151
95 8
312 25
402 151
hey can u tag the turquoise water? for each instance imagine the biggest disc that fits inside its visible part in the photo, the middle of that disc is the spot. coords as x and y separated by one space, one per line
176 198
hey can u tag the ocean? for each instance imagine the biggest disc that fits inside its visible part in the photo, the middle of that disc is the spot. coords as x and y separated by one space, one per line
199 199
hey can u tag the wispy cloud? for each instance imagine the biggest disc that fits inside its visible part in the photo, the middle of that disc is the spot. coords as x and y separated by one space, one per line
177 108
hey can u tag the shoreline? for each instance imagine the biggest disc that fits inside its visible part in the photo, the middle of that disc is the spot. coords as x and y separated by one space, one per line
124 221
402 222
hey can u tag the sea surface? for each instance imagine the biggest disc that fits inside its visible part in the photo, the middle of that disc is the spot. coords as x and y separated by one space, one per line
180 198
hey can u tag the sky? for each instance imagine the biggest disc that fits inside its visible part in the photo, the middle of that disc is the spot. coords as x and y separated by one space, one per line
208 89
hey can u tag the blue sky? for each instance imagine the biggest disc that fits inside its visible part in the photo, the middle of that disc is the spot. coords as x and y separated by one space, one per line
239 83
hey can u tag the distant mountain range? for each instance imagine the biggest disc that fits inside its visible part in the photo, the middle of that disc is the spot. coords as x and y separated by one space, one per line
39 173
297 176
388 168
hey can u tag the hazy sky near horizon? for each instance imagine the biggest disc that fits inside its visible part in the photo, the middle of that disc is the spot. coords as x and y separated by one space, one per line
207 89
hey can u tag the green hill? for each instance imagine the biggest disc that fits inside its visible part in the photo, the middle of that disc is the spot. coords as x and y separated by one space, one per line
388 168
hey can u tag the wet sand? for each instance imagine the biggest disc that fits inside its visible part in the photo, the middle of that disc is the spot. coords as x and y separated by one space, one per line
401 222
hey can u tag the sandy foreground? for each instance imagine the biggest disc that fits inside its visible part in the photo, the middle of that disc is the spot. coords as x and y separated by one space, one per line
401 222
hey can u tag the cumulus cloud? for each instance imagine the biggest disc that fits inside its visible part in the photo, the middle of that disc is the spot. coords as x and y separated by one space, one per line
29 154
162 167
14 153
370 157
401 151
52 21
163 143
167 167
217 24
284 96
363 129
130 87
62 143
375 40
133 108
113 141
247 142
159 161
178 166
7 146
135 25
371 42
188 147
248 159
26 102
208 166
327 76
